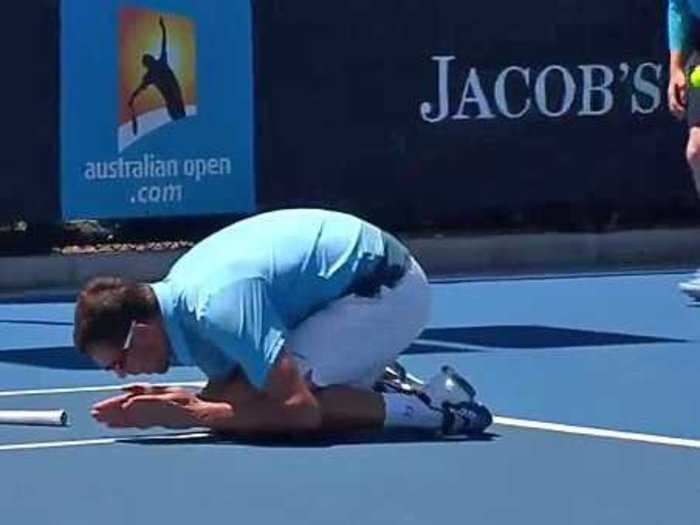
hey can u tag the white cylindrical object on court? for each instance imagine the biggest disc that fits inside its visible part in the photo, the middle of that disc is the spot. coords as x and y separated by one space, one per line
51 418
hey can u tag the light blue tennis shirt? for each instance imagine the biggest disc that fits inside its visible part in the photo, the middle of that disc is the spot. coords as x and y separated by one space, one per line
682 14
231 300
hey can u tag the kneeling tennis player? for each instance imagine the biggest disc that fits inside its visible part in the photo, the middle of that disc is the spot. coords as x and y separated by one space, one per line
293 316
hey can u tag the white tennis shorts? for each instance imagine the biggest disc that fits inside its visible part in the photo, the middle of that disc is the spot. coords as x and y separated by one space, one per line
350 341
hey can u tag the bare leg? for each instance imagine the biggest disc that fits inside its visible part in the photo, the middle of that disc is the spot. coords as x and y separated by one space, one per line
344 408
693 155
691 287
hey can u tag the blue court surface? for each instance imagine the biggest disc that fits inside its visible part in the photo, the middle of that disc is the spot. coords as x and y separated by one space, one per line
594 379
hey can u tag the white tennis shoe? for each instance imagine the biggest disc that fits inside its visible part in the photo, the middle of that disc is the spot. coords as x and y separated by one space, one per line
446 392
454 396
691 287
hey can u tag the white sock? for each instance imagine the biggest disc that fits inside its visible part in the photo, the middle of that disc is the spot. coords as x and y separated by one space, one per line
408 411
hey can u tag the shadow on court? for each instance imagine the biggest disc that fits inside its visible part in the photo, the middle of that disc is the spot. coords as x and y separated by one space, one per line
62 297
484 339
60 357
36 322
528 337
360 438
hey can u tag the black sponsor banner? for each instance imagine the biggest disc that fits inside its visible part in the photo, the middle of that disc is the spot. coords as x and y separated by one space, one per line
454 113
29 90
418 112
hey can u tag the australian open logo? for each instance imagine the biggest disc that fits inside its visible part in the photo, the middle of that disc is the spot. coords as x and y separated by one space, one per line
157 81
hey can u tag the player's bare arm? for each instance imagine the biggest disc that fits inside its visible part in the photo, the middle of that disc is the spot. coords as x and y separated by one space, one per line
677 86
285 404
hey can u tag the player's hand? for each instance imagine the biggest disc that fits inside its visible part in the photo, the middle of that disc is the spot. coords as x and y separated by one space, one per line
178 409
135 389
111 403
677 93
147 388
171 410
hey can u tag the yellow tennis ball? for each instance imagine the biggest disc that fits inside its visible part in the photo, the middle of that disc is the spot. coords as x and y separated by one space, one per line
695 77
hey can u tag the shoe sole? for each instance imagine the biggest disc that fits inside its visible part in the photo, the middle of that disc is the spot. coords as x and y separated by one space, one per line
481 418
689 290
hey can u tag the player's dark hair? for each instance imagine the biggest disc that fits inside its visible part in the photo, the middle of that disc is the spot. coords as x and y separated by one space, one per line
106 307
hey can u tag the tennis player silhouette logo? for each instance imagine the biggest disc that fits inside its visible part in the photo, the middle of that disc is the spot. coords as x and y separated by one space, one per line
161 76
157 84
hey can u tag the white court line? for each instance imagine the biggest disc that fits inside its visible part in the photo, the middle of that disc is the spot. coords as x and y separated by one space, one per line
652 439
448 344
84 389
98 441
498 420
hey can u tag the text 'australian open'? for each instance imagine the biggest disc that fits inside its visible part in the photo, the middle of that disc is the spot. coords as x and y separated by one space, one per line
151 167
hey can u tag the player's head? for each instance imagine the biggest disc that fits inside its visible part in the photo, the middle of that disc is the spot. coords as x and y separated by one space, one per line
118 324
148 61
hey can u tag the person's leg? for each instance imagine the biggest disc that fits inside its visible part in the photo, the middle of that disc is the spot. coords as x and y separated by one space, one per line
351 340
344 348
343 351
348 408
692 153
445 404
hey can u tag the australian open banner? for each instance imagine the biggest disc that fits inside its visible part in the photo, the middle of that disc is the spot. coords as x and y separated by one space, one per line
156 108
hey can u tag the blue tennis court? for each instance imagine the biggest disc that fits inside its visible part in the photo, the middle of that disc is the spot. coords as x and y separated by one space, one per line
593 379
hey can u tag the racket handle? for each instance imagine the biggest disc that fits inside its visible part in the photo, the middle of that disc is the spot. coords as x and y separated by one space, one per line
51 418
